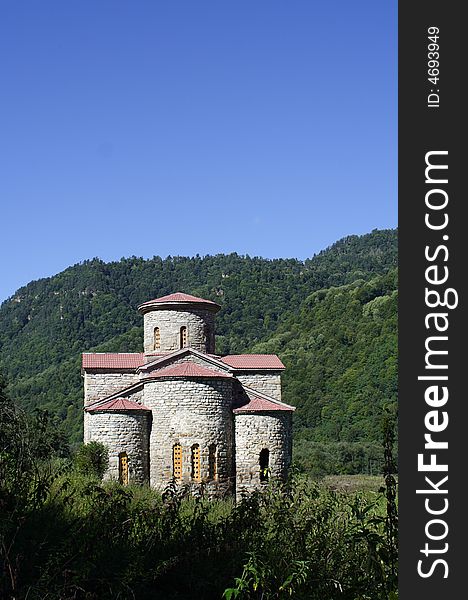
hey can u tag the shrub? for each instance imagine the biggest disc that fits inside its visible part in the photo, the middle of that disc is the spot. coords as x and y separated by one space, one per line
92 459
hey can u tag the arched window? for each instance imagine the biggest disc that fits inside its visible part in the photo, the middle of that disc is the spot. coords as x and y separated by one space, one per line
183 337
177 461
212 462
157 339
196 471
123 468
264 460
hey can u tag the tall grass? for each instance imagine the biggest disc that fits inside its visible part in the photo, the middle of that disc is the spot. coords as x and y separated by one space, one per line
83 539
67 536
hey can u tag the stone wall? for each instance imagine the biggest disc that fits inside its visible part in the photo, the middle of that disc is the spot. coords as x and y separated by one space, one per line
136 395
86 420
187 412
98 385
199 323
267 383
255 432
123 432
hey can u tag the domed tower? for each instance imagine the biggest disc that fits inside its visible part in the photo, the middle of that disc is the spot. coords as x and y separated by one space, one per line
178 321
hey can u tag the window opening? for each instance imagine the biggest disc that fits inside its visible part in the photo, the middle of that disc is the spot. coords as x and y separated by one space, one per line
177 461
123 468
183 337
157 339
264 464
196 471
212 462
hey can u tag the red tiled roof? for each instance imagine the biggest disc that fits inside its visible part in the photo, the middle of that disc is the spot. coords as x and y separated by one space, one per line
108 360
179 297
187 369
169 356
119 404
253 361
126 360
259 403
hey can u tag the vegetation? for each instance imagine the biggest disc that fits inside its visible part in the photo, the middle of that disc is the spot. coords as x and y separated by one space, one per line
332 319
340 350
93 458
64 535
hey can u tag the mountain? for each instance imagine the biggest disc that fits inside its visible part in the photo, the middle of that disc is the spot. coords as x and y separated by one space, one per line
331 318
340 350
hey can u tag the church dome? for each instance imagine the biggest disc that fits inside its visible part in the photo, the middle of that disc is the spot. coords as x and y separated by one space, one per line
177 300
177 321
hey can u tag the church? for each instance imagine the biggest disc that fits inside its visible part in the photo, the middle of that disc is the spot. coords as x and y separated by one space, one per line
180 412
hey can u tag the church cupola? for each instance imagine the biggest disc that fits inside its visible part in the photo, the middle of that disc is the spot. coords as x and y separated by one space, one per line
178 321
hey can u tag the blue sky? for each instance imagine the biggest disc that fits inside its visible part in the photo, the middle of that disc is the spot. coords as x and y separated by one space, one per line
148 128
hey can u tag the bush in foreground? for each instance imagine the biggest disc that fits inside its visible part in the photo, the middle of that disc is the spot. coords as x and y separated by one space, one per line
86 540
64 535
92 458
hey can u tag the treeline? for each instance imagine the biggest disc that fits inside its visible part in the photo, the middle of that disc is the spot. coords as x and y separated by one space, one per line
331 318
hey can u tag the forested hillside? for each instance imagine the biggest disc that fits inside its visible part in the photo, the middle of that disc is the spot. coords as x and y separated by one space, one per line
331 318
340 350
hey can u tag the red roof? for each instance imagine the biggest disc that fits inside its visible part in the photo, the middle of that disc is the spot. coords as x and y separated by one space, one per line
179 297
119 404
126 360
108 360
187 369
253 361
260 403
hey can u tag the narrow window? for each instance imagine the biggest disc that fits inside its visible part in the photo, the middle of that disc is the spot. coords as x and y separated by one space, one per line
207 332
212 462
264 464
123 468
183 337
157 339
177 461
196 473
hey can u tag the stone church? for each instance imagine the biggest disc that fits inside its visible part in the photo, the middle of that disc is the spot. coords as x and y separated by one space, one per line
179 411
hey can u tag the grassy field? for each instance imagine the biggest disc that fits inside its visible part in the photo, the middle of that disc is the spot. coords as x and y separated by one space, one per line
353 483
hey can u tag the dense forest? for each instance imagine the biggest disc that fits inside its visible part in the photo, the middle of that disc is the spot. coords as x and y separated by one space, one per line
331 318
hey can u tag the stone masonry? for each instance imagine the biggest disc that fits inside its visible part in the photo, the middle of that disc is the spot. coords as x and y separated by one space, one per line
255 432
99 385
199 324
125 432
192 411
178 412
268 383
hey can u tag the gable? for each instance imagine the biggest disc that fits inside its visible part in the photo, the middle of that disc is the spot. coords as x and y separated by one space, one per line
252 401
133 393
187 369
186 355
119 405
